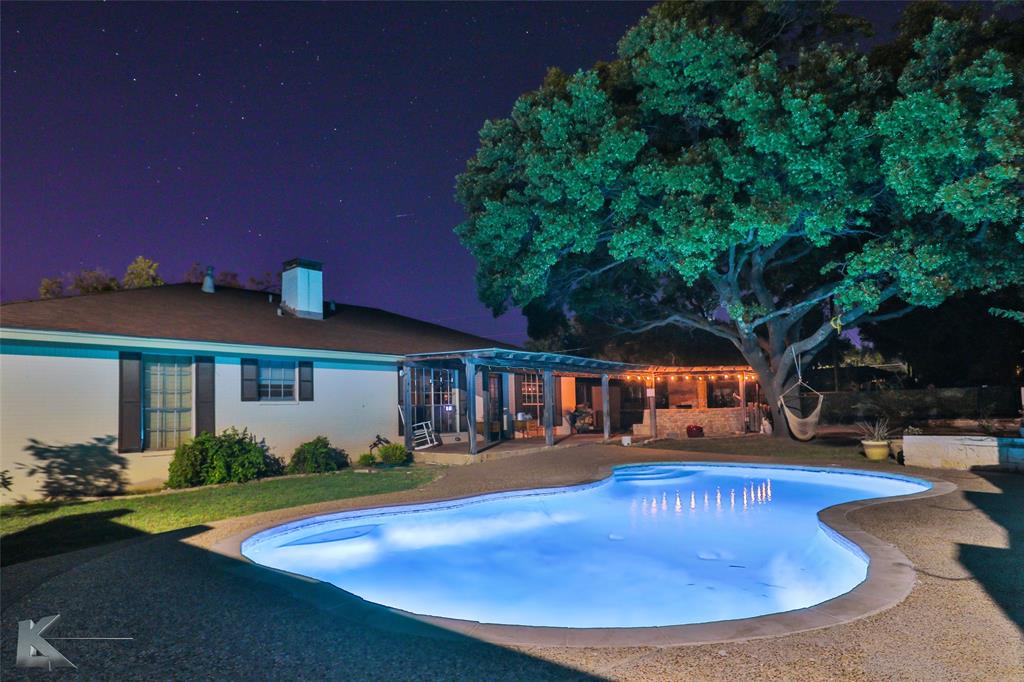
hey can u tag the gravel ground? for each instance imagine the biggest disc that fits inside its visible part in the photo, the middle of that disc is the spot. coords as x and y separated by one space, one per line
195 614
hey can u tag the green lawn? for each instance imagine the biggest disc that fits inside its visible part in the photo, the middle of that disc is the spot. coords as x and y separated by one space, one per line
30 531
836 448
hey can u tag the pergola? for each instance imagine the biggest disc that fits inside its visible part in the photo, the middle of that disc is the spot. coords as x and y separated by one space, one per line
486 360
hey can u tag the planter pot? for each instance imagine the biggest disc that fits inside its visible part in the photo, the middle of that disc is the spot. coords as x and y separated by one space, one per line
896 447
875 450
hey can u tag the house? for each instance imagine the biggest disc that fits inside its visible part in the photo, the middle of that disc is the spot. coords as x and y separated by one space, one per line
103 387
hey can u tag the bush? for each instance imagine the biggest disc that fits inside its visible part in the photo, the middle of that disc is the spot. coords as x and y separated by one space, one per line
366 459
188 467
317 457
232 457
394 454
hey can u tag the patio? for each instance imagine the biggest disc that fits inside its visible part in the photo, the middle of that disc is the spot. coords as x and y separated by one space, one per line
962 621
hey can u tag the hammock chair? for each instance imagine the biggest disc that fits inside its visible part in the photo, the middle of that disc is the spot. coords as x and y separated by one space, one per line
802 428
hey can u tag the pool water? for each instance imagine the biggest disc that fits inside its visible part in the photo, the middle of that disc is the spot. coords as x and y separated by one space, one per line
663 544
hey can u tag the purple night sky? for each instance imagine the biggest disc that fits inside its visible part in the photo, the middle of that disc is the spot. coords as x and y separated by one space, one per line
241 135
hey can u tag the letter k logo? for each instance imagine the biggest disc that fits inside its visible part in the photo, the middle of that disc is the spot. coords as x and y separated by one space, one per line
36 652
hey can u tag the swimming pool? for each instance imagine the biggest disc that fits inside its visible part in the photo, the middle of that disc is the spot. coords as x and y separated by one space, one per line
652 545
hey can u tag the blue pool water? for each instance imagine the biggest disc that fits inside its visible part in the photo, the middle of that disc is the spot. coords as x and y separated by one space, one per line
660 544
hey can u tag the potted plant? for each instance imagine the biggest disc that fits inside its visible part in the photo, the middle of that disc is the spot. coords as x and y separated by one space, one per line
875 439
896 444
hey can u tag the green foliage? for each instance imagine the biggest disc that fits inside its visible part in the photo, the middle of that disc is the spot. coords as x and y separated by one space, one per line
394 454
93 281
188 466
141 273
366 460
232 457
51 287
316 457
734 161
1014 315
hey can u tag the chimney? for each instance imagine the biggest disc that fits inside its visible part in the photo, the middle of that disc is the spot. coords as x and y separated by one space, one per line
302 288
208 287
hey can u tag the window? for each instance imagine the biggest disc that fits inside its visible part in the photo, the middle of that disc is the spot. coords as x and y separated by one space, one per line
533 395
277 380
166 400
723 393
434 398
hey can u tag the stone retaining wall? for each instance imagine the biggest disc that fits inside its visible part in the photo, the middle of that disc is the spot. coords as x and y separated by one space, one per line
963 452
672 423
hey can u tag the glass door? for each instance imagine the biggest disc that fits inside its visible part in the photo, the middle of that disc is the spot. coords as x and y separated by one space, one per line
496 411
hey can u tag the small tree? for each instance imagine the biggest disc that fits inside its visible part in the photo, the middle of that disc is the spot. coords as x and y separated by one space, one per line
93 281
194 274
141 273
51 287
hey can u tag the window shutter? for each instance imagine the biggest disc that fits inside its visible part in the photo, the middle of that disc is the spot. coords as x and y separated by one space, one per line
305 381
250 380
205 382
129 418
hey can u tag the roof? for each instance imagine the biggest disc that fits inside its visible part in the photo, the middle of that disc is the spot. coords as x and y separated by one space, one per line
241 316
506 358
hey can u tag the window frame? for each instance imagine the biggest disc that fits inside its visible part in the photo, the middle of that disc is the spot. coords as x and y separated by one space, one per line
186 368
282 374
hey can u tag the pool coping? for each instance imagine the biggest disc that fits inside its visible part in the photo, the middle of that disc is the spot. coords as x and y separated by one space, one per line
891 578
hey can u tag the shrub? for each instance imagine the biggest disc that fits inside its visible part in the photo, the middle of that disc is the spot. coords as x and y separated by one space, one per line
394 454
188 467
317 457
366 459
232 457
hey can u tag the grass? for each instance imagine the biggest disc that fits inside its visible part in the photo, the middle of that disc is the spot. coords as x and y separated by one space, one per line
836 448
34 530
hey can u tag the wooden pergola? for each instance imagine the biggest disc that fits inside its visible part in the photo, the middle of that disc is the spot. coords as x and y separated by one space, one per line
487 360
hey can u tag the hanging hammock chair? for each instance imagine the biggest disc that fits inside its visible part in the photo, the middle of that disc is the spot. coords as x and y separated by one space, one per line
802 428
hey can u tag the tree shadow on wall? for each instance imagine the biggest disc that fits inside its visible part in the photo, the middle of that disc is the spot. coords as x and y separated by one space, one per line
90 469
998 569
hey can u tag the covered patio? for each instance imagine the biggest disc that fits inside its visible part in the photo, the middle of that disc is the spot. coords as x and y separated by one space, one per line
492 395
492 398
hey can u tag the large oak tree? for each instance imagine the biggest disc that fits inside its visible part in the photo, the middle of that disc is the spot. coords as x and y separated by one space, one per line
743 170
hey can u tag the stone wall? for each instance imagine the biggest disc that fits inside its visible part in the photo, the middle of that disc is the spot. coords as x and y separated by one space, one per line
963 452
672 423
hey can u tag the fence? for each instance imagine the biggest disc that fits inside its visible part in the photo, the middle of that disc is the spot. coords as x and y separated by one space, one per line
901 405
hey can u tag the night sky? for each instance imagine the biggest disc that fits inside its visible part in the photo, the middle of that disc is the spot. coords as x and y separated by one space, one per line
243 135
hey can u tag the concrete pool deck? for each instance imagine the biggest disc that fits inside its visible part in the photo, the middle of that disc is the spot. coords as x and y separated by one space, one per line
196 613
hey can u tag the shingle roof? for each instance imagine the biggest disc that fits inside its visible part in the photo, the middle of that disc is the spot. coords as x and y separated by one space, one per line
183 311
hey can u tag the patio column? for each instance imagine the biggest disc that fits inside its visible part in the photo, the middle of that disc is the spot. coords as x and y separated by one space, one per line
606 407
743 401
485 393
549 407
471 405
407 405
653 406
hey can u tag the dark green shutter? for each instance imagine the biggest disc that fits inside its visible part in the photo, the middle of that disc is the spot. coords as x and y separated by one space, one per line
250 380
305 380
205 420
129 418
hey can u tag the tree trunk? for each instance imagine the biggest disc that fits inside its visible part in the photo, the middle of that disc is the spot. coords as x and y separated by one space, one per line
780 427
772 384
